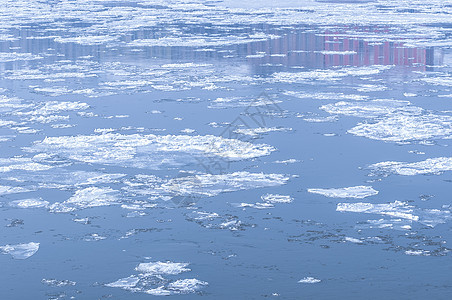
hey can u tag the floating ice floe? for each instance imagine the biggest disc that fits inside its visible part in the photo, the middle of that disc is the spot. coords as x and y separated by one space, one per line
399 209
4 190
14 56
429 166
254 132
326 96
327 75
152 279
276 198
20 251
57 283
406 128
372 109
357 192
211 185
268 201
146 151
86 198
22 164
309 280
29 203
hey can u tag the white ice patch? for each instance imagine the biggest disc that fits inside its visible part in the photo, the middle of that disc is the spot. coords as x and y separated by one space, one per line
162 268
15 56
58 283
146 150
371 109
21 163
428 166
357 192
29 203
86 198
399 210
276 198
209 185
20 251
405 128
309 280
353 240
154 279
327 75
254 132
5 190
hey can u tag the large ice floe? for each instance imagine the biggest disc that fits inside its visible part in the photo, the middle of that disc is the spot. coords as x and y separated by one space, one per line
158 279
399 210
20 251
202 185
436 165
357 192
393 120
146 151
86 198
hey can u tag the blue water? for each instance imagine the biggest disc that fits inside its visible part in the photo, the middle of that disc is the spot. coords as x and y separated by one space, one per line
135 135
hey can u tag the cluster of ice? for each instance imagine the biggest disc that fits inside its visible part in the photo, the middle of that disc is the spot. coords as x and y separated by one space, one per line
399 210
216 221
20 251
357 192
57 283
14 56
153 279
429 166
146 151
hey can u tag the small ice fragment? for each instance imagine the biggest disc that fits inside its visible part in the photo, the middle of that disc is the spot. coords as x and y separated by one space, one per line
309 280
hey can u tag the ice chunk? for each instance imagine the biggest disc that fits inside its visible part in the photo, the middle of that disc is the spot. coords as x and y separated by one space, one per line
357 192
405 128
29 203
162 268
86 198
186 285
309 280
20 251
146 150
276 198
428 166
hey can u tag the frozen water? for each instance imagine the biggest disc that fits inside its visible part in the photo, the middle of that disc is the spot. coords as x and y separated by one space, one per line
428 166
20 251
358 192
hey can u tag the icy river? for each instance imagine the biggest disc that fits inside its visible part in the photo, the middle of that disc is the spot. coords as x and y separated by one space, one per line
225 149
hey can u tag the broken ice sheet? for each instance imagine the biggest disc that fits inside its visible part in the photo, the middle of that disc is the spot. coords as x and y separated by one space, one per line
429 166
147 151
20 251
158 279
399 209
29 203
357 192
217 221
86 198
406 128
